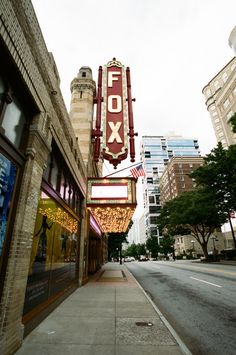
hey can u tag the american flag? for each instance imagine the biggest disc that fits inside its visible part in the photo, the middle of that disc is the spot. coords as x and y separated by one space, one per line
138 171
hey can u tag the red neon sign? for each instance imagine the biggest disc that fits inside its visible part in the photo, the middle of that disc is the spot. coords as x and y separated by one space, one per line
114 113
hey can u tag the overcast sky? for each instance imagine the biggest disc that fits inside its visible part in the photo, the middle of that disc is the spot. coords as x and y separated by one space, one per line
173 48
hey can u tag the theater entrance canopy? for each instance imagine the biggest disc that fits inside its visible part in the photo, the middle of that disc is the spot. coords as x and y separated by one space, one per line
112 202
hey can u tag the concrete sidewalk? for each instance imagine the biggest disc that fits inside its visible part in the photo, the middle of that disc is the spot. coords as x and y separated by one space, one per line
110 315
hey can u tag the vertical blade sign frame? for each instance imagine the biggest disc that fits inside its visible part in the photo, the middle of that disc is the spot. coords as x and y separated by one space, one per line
114 113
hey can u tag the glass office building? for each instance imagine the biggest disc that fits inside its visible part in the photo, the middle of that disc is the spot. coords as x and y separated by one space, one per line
155 153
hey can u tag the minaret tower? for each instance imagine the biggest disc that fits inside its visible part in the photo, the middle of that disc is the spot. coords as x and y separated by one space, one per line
83 89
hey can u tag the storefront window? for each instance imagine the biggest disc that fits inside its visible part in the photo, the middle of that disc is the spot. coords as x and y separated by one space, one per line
13 122
7 181
54 174
57 175
54 250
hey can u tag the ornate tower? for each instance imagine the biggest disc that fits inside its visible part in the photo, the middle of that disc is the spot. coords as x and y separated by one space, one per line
83 89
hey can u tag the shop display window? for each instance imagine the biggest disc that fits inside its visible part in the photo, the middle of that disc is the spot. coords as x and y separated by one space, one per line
8 173
54 252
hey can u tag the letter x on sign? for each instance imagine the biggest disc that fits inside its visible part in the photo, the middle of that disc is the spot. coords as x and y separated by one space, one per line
114 135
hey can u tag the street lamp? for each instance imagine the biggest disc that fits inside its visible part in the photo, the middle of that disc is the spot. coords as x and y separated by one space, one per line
193 251
214 239
215 251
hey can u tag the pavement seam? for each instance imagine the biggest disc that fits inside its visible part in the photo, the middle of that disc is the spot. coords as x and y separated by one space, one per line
181 344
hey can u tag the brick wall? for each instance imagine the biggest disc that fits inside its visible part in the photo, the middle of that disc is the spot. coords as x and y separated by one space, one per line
21 34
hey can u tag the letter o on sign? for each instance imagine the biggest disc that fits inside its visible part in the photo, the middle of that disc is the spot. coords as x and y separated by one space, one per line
118 105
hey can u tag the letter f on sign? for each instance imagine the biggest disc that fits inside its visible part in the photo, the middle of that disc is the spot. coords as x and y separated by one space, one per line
114 135
111 78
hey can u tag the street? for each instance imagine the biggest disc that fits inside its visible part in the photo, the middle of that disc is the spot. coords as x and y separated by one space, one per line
197 299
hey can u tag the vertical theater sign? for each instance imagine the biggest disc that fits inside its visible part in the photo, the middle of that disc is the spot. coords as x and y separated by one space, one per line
112 201
114 132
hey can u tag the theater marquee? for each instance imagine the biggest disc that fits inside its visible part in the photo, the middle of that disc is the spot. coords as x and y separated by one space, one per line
112 202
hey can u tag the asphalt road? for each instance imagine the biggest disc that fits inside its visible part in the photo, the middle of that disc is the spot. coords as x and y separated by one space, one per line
198 300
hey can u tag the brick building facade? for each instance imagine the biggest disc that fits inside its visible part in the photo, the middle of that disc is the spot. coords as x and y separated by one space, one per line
175 178
45 229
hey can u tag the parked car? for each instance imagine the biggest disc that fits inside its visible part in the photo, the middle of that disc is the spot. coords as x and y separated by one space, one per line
143 258
129 258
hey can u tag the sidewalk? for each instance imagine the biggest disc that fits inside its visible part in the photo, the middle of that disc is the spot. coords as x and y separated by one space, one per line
110 315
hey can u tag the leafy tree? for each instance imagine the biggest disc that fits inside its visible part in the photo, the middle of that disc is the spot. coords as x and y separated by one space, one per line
131 250
167 245
193 212
153 246
115 241
233 122
218 177
141 249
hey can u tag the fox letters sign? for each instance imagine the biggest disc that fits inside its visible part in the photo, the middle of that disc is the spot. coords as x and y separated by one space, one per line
114 113
114 129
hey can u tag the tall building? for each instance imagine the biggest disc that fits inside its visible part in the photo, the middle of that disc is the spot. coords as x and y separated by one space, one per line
220 96
175 179
137 233
155 152
133 235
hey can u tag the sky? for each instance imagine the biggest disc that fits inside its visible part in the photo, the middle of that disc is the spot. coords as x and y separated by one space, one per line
173 48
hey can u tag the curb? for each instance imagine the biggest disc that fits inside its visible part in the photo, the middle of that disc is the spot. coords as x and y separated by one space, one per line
181 344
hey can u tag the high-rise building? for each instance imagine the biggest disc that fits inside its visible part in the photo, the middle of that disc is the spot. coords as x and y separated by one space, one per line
133 235
220 95
137 233
175 179
155 152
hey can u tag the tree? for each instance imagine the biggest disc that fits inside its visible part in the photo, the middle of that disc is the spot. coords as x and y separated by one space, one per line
218 177
167 245
141 249
152 245
115 241
132 250
232 120
193 212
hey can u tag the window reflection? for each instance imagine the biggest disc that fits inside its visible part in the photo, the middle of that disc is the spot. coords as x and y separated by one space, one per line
7 182
14 122
54 252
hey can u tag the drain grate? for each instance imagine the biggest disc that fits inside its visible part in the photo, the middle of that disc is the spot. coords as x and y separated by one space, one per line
144 324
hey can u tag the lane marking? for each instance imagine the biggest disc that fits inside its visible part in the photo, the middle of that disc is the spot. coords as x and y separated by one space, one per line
189 267
194 278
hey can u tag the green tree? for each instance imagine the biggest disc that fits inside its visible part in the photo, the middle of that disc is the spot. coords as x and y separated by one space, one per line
141 249
167 245
218 177
193 212
131 250
233 122
152 245
115 241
